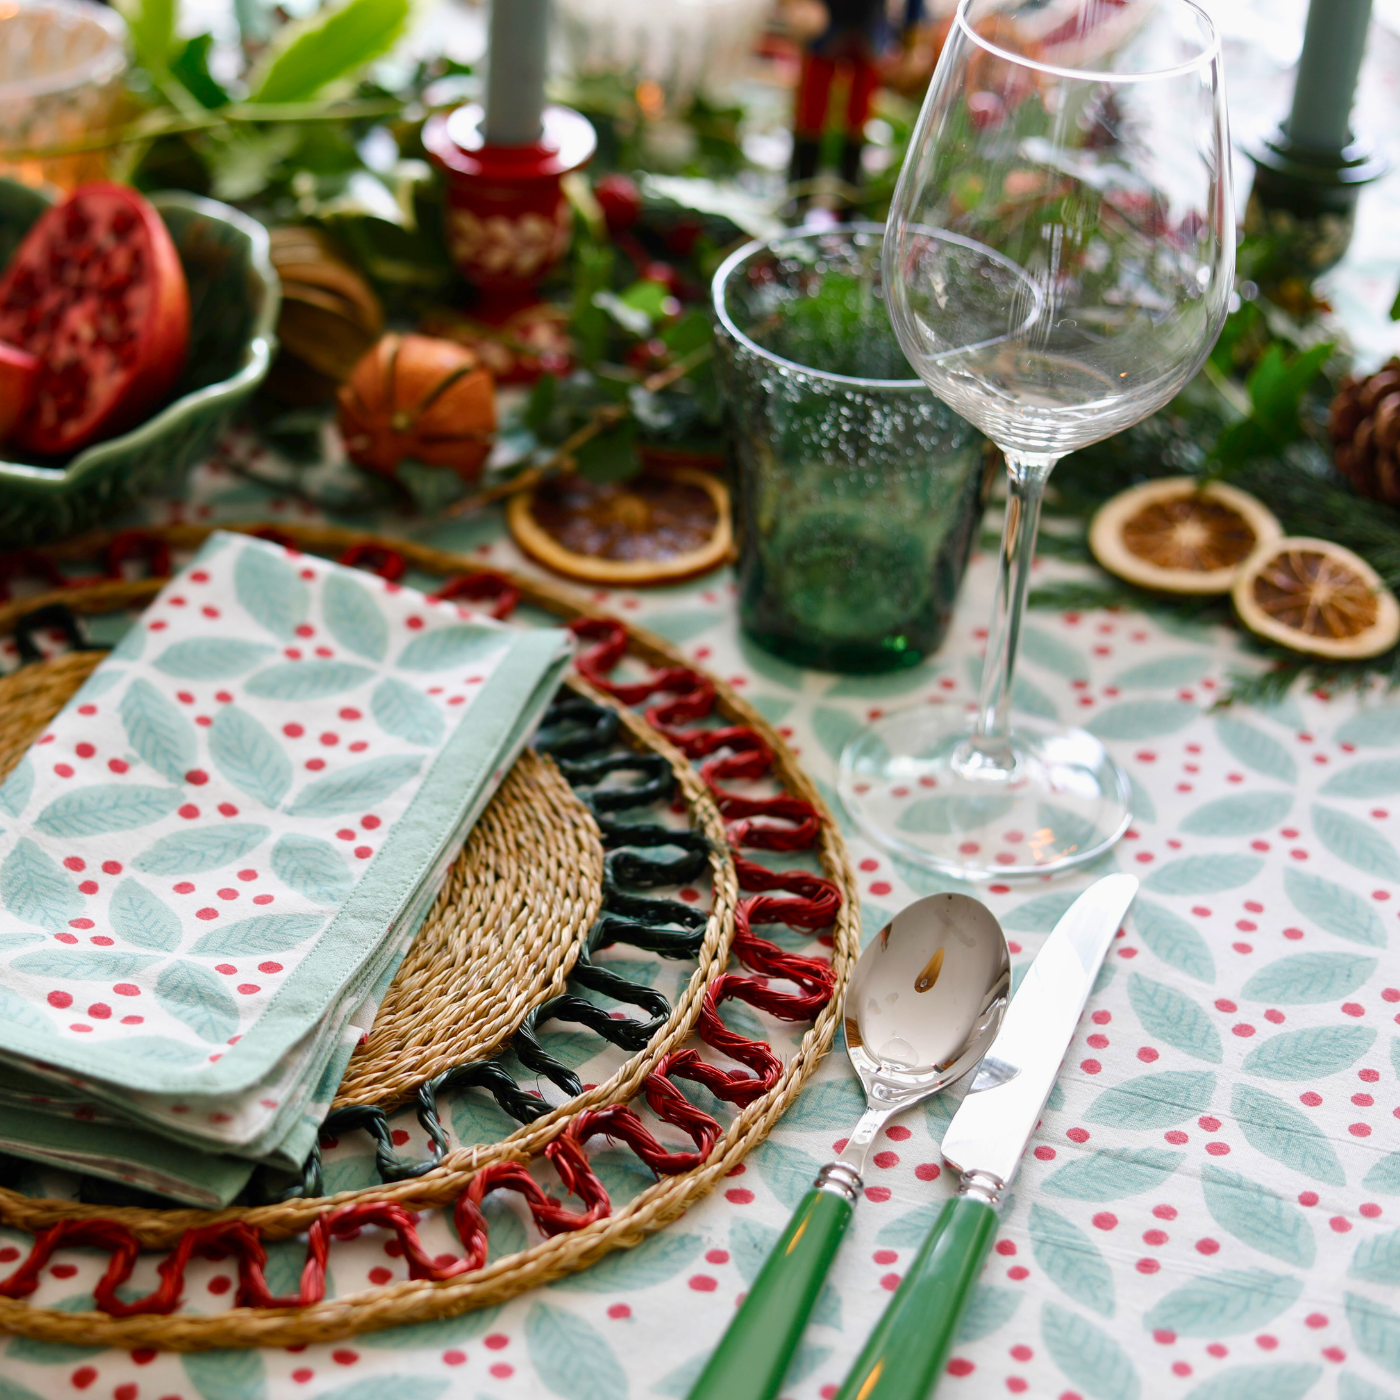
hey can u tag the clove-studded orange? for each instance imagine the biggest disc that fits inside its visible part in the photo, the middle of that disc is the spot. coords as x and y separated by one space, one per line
415 397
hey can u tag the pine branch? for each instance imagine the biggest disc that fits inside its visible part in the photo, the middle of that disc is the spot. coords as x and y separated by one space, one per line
1290 669
1263 688
1049 544
1103 591
1073 595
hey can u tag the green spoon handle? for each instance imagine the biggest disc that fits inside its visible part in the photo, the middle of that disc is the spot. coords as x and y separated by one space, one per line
753 1355
904 1356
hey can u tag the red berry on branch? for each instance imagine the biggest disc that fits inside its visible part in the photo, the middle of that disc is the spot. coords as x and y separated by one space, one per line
620 201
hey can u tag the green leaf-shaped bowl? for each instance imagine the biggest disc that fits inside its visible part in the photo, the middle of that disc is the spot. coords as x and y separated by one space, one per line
234 297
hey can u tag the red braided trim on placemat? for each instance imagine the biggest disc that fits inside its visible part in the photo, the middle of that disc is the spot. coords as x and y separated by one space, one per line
807 902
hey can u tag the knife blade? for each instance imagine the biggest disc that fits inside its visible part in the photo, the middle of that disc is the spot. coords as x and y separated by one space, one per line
990 1130
903 1358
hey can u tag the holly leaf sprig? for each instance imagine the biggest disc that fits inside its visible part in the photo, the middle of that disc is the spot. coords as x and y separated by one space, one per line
1275 386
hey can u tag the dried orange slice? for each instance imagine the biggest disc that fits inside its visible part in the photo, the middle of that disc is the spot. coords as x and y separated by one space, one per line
666 524
1314 596
1177 536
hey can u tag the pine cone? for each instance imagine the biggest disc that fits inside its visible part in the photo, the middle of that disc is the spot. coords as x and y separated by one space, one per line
1365 425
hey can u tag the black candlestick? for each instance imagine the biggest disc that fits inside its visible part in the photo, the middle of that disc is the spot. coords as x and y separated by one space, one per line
1309 171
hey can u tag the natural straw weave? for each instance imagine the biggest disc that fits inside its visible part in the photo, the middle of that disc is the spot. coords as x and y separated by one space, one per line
500 940
409 1301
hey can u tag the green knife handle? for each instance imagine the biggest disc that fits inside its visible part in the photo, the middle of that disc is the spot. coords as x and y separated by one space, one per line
753 1355
905 1354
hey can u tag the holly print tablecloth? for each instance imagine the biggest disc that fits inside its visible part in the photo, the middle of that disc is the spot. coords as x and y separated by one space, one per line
1211 1206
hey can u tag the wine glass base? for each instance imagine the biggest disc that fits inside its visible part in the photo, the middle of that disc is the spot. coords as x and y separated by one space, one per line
907 782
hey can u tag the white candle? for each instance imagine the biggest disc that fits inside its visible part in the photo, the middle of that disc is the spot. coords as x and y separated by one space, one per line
515 64
1332 47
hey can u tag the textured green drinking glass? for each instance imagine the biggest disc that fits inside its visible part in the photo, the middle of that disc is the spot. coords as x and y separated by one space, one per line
859 493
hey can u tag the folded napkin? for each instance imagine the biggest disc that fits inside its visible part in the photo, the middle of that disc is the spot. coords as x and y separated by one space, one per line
222 847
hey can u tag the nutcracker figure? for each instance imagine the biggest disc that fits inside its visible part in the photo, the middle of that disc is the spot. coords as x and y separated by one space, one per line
850 37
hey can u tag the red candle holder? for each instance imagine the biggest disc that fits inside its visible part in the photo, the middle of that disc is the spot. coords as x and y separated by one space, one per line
508 222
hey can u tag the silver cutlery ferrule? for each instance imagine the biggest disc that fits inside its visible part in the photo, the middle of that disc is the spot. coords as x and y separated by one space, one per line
841 1179
983 1186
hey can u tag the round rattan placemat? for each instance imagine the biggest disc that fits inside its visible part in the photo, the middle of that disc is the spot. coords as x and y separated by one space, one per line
423 1298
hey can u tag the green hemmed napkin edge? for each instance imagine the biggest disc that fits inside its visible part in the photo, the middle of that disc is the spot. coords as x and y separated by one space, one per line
204 1179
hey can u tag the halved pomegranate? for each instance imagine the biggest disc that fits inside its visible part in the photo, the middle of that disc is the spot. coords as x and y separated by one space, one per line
19 377
96 291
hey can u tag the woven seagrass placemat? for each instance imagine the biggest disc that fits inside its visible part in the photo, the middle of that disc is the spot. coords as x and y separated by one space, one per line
516 922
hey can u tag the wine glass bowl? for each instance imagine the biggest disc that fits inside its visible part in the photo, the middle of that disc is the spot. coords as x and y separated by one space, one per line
1060 258
1062 242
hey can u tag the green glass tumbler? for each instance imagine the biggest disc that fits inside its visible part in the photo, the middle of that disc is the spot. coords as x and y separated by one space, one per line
859 494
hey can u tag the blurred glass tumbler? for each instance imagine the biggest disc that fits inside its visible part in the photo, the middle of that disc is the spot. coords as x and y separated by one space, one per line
61 69
859 493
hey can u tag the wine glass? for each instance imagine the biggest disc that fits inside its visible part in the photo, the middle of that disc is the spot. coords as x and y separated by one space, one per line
1058 259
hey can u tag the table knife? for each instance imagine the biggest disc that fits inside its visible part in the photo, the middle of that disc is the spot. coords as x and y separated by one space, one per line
904 1356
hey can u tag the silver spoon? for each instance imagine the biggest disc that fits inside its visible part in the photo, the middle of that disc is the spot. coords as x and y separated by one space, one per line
924 1004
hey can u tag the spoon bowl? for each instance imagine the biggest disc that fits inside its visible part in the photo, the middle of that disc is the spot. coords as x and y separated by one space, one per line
927 997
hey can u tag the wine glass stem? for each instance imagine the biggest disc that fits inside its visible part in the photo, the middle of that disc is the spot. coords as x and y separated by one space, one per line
988 752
